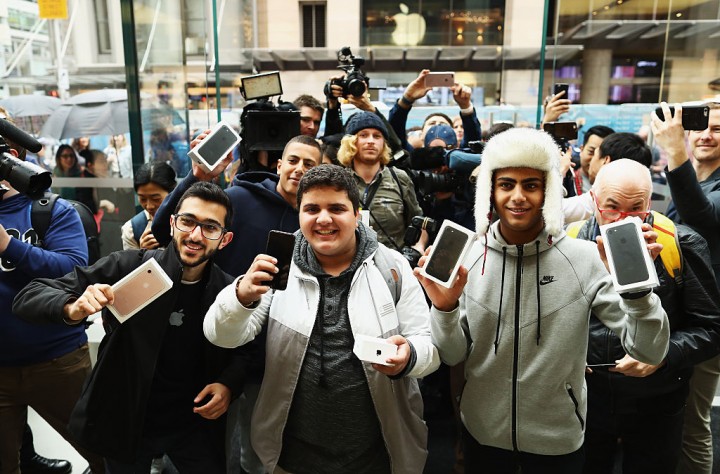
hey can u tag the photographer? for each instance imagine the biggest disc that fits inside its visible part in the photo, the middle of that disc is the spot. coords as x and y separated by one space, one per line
41 367
417 90
387 194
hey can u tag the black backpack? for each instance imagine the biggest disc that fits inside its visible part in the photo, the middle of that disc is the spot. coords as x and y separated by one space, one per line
41 213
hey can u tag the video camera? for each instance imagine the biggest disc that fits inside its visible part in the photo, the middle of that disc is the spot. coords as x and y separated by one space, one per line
461 163
25 177
355 82
265 126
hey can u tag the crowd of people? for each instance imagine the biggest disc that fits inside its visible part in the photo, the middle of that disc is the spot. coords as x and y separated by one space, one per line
549 368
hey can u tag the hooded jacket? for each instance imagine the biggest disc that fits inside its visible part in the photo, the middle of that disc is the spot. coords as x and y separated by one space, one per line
290 317
21 342
109 416
257 208
521 327
694 317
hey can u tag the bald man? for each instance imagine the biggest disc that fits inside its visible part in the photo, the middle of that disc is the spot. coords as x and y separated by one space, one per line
641 404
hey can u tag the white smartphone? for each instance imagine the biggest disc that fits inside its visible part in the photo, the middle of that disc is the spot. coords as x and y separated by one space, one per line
138 289
440 79
373 349
630 263
447 253
213 148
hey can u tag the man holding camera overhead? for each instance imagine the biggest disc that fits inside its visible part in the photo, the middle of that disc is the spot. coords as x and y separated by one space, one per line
695 191
41 367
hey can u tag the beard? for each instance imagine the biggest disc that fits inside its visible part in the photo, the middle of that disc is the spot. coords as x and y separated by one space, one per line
203 258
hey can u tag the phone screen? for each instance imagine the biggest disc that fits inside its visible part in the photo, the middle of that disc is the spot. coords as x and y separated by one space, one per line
215 148
280 245
448 247
627 254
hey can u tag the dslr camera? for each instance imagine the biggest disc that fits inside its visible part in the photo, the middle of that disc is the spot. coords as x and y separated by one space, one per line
27 178
355 82
412 235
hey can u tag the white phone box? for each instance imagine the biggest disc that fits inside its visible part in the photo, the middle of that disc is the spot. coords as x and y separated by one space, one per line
373 349
448 252
213 148
138 289
631 265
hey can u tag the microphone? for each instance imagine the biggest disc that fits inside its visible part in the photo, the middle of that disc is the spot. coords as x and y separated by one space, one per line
15 135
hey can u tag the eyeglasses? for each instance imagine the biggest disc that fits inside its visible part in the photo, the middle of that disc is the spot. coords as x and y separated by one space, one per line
185 223
614 215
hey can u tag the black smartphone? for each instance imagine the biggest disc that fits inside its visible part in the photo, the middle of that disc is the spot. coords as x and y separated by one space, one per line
627 253
694 117
447 250
280 245
559 87
217 145
600 365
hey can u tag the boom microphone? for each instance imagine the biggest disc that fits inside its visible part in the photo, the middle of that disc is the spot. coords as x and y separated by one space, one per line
15 135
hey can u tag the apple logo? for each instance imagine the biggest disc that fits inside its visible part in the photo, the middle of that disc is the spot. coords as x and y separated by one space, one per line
409 29
176 318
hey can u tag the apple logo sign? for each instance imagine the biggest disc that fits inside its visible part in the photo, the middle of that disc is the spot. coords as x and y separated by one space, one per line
409 29
176 318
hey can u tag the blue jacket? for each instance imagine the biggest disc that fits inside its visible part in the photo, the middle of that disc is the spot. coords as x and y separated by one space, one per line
23 343
257 209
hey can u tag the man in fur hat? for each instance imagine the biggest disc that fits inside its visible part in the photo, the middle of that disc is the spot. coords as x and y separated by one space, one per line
518 315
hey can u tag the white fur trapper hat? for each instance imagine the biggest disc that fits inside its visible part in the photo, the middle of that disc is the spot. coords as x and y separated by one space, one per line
521 148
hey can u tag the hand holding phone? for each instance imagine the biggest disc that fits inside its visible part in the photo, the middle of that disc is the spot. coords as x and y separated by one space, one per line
447 253
559 87
630 263
280 245
214 147
694 117
138 289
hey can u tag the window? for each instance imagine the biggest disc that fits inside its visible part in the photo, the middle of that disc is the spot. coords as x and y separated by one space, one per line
103 27
313 25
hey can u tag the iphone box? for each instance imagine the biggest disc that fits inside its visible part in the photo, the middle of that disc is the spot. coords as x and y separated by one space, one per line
138 289
631 265
373 349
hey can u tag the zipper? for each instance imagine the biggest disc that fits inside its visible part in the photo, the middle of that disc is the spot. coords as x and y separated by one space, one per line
516 346
570 392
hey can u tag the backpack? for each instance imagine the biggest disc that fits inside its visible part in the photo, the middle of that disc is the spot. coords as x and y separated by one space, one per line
41 214
385 262
670 255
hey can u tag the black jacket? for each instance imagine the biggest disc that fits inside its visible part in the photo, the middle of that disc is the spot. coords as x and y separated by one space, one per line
108 417
694 316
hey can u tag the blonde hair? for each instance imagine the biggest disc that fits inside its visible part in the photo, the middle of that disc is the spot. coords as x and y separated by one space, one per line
348 150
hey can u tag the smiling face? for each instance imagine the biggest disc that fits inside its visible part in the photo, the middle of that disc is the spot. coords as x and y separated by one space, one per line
370 145
328 222
296 160
194 250
518 196
705 144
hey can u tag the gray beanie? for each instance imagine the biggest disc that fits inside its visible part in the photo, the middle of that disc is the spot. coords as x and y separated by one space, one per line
521 148
361 120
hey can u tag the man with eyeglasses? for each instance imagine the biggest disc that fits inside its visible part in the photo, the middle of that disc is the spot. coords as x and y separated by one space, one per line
638 403
159 387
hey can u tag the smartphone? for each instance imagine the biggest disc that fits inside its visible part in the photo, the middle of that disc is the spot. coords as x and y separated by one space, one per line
627 253
280 245
213 148
559 87
694 117
561 131
447 253
440 79
138 289
592 366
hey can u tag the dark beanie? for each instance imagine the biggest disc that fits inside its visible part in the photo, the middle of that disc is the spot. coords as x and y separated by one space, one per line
362 120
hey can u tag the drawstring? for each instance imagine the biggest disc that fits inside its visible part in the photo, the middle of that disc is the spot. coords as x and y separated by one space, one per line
485 257
537 286
502 292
